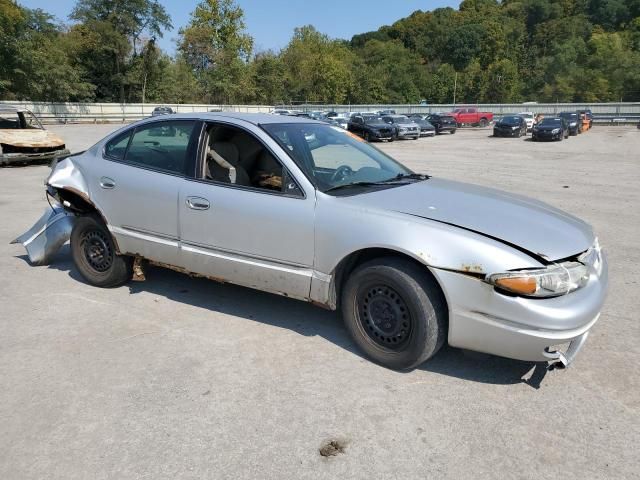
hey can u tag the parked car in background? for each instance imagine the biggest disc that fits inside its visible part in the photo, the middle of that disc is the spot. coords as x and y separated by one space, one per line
472 116
332 114
510 126
550 128
371 127
404 126
281 111
341 122
382 113
414 262
426 129
162 110
529 117
573 121
443 122
23 139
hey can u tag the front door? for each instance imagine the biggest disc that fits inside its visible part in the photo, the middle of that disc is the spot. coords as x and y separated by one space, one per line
253 226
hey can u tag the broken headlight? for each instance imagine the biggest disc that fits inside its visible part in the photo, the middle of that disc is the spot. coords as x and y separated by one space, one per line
552 281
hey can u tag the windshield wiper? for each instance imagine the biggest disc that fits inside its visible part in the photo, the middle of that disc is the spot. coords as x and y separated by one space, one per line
355 184
410 176
397 180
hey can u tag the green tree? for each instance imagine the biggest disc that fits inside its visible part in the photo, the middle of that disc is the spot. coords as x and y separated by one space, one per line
317 67
215 46
106 38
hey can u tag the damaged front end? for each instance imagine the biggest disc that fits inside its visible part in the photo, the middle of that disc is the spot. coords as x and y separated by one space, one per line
48 235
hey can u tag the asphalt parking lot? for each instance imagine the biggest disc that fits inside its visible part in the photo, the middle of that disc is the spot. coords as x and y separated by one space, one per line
178 377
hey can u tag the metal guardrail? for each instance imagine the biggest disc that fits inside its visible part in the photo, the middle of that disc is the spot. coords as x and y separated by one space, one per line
604 113
117 112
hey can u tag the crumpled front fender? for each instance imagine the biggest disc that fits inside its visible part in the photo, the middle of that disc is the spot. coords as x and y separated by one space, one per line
47 235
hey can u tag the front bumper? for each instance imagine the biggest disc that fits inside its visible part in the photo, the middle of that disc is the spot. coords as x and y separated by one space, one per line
484 320
427 133
498 132
408 134
377 135
546 136
10 158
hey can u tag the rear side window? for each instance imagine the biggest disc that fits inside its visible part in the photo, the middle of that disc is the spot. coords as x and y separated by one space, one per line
117 147
160 146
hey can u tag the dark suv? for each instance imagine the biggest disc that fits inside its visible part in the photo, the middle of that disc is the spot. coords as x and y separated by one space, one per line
443 123
370 127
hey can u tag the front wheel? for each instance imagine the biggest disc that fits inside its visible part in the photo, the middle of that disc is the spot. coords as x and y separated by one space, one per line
394 312
367 137
94 254
483 122
453 131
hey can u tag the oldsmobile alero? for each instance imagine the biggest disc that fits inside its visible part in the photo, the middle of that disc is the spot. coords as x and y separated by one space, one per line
303 209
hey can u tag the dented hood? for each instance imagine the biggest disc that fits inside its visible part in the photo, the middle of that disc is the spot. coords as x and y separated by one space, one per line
534 226
30 138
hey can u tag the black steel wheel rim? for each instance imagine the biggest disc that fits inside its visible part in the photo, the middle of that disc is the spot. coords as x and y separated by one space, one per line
384 316
97 251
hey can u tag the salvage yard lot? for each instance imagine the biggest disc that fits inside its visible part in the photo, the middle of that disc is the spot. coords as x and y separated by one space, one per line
179 377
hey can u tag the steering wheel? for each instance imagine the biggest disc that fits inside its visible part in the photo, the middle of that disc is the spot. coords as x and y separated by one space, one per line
342 172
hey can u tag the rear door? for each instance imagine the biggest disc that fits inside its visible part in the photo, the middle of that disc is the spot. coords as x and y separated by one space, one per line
136 186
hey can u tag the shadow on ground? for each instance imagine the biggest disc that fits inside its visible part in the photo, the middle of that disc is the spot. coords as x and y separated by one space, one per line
306 319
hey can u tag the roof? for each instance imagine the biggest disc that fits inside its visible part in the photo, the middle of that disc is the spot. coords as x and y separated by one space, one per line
255 118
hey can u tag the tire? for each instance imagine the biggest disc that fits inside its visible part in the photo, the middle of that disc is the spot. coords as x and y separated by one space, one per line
94 254
367 138
453 131
483 122
397 291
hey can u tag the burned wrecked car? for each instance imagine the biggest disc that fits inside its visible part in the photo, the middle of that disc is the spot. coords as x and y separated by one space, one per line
23 138
300 208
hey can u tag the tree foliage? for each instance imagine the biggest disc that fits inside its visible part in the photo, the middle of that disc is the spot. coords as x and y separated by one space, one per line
485 51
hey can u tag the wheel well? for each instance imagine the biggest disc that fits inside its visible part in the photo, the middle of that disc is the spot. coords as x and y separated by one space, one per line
355 259
77 203
74 201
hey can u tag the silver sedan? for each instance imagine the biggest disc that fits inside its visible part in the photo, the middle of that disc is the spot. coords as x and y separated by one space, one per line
306 210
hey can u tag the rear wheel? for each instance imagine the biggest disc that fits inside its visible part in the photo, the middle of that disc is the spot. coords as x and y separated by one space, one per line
94 254
483 122
394 312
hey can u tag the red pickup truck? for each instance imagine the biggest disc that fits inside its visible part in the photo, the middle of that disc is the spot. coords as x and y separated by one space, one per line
471 116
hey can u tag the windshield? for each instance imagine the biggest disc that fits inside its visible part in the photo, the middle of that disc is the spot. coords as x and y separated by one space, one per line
333 157
526 115
569 115
551 122
402 120
511 120
18 120
372 119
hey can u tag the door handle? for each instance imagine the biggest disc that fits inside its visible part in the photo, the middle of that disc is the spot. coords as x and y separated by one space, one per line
198 203
107 183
